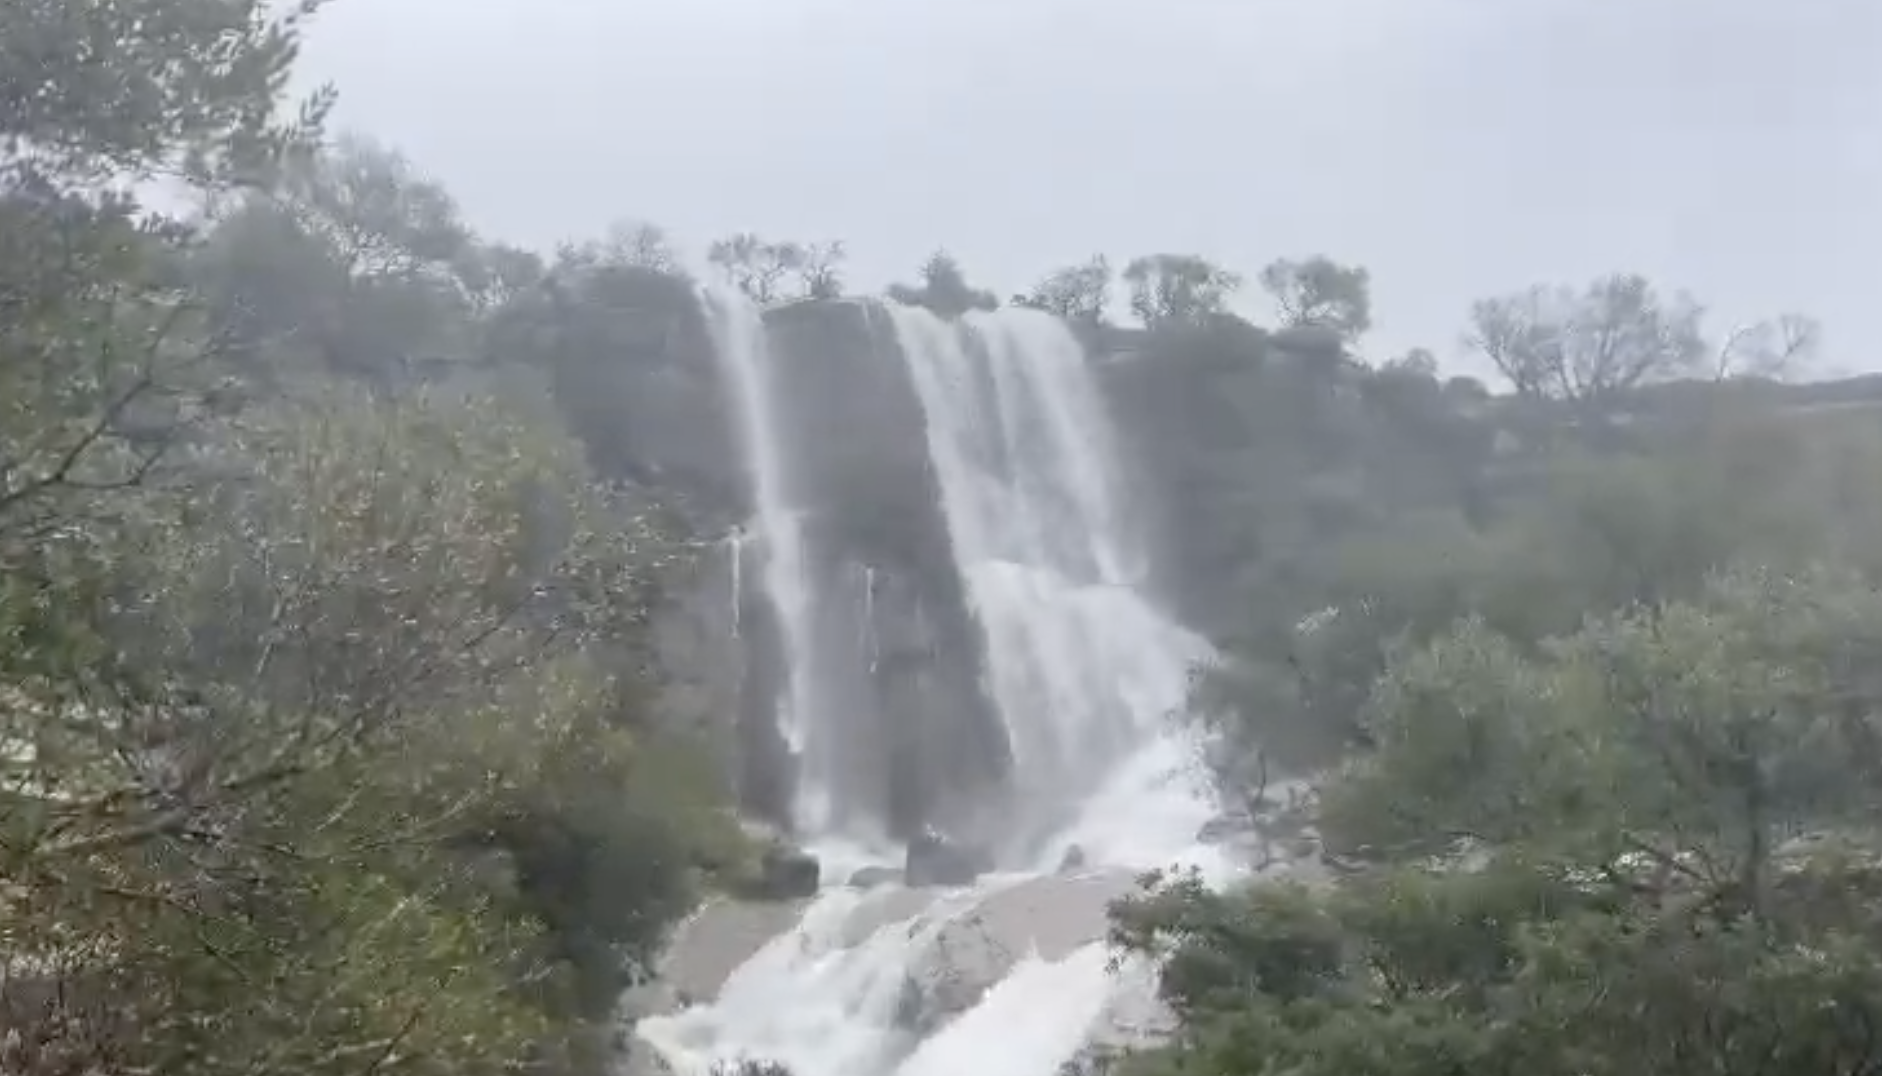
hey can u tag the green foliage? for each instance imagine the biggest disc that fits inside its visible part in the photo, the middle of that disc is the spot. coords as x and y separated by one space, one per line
356 266
1177 288
291 673
359 747
1080 294
1511 968
771 272
1322 293
1724 725
102 88
1608 767
1579 532
1617 334
944 289
100 373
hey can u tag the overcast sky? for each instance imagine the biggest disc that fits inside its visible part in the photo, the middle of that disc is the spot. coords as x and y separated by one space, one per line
1456 147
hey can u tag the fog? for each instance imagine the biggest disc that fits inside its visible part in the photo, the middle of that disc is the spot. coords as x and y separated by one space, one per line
1456 148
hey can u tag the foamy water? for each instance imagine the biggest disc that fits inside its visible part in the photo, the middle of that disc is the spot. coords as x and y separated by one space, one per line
1085 671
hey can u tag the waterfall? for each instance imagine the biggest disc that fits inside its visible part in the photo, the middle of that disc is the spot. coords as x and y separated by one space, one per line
738 338
735 552
1083 670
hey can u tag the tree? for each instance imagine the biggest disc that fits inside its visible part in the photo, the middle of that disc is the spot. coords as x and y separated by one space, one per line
294 686
1321 293
1077 293
638 244
333 709
756 266
820 270
1704 730
1418 362
1588 860
357 263
127 88
1587 347
944 289
1174 288
1774 350
105 363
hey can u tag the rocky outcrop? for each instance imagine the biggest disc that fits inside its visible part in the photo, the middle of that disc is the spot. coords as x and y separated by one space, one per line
1072 860
633 370
915 739
952 947
1051 916
787 874
707 949
782 871
703 661
871 877
765 768
635 375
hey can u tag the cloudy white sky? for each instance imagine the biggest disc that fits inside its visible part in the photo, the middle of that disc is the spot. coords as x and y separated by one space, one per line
1456 147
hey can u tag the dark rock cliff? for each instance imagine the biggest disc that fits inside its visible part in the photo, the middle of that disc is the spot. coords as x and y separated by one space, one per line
899 672
1250 453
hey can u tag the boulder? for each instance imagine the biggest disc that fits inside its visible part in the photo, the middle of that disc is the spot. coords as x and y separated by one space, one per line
1072 860
936 860
787 873
1051 916
870 877
706 949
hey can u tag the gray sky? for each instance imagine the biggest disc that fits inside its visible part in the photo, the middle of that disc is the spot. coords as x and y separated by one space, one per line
1457 148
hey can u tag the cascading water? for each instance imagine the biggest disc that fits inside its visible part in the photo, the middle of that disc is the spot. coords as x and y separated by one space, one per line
1083 671
738 337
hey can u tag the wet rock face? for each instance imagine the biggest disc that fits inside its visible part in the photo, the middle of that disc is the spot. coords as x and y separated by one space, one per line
913 735
708 948
1051 916
871 877
963 945
765 771
635 375
788 874
913 738
701 657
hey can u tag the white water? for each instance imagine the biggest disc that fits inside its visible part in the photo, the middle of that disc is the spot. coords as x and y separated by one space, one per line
737 328
738 338
1084 672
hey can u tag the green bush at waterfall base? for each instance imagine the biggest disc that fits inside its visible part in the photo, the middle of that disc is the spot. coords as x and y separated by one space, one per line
1602 774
